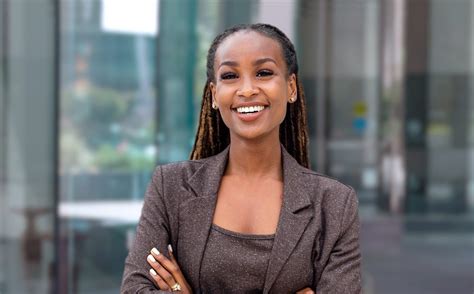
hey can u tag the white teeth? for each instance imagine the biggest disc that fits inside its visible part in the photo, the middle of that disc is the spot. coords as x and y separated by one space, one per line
250 109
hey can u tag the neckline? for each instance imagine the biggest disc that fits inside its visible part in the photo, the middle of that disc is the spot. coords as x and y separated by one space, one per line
243 235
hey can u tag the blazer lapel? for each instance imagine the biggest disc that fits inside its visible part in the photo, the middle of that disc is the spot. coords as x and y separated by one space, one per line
196 214
293 218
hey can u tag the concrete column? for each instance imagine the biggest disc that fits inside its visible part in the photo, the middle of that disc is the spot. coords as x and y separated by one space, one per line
416 97
28 144
280 14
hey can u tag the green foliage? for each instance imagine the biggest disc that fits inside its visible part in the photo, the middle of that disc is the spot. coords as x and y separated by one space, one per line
101 123
108 157
96 114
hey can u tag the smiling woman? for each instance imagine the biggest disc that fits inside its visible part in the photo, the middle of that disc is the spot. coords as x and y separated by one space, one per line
246 215
251 72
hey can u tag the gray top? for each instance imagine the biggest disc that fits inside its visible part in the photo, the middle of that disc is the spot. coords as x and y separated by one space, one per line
235 262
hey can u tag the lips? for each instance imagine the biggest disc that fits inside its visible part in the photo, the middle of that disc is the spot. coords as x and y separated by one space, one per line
248 104
250 109
249 113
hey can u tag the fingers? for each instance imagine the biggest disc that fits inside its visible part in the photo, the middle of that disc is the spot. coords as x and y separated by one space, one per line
163 268
173 259
179 277
158 280
165 262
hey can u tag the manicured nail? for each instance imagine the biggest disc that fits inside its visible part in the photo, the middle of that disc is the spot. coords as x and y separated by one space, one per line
152 272
151 258
169 248
155 251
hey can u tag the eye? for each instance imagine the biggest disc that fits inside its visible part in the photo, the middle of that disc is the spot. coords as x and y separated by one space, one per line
228 76
264 73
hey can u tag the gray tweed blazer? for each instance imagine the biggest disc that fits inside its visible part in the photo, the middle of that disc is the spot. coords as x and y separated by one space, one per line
316 242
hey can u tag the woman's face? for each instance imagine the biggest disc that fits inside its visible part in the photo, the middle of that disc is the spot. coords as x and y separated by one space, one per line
252 87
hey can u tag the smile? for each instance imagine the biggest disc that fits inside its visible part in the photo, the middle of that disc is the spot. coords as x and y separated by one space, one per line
250 109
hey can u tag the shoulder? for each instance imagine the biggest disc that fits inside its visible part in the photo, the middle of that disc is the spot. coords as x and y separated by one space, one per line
325 183
328 192
179 169
335 204
176 174
322 190
169 182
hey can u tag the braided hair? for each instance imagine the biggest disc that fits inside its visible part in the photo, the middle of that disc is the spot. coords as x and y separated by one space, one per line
213 135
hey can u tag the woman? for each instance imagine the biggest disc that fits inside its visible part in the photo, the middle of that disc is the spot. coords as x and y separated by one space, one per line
245 215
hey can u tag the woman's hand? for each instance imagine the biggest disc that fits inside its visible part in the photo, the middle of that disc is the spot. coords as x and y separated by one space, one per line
306 291
166 272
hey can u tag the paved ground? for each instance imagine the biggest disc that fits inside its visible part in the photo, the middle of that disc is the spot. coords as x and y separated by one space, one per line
396 261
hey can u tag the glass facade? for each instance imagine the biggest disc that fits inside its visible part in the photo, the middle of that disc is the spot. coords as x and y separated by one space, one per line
107 124
95 93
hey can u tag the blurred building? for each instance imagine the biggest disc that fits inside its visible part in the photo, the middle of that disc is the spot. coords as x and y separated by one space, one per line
95 93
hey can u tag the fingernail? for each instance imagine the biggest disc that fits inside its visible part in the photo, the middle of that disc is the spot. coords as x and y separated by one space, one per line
152 272
151 258
169 248
155 251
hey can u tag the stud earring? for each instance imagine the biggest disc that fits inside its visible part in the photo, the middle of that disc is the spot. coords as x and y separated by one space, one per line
214 105
292 99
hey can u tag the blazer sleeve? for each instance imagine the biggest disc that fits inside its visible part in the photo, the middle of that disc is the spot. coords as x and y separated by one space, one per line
153 230
342 272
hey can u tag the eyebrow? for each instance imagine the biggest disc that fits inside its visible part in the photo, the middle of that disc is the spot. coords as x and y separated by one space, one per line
256 62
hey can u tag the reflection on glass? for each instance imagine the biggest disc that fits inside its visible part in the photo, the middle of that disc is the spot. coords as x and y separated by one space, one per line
107 149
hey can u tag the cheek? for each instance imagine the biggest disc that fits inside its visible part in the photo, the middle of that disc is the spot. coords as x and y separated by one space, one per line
280 104
279 97
278 89
224 94
282 113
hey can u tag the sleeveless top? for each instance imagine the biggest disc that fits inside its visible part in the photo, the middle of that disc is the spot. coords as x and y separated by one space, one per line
235 262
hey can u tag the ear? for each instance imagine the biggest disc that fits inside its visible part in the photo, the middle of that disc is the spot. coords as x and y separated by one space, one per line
212 87
292 91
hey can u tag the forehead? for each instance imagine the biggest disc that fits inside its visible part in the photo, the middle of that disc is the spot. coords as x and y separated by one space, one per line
247 46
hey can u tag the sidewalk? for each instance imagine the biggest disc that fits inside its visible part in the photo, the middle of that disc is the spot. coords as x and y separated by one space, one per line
396 261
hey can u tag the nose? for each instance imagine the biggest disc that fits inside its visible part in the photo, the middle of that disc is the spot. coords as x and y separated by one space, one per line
248 88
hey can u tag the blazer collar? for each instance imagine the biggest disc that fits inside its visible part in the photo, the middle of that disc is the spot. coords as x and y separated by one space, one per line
206 180
293 219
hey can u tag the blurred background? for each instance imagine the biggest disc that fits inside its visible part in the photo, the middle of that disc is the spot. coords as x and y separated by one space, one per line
95 93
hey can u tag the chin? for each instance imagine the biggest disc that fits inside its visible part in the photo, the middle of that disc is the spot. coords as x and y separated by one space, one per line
252 135
248 136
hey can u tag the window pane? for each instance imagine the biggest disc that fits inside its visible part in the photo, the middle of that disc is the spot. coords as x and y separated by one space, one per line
107 127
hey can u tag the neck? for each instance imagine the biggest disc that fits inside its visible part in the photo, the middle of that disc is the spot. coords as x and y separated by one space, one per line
255 159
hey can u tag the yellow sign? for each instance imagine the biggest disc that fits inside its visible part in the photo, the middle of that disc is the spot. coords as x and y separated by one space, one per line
359 108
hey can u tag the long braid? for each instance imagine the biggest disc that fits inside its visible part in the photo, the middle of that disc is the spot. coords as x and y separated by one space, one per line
293 130
213 135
